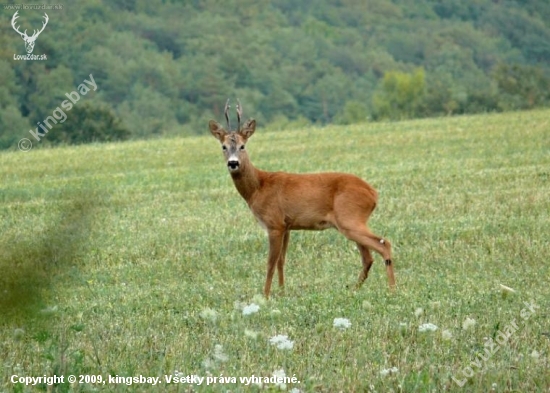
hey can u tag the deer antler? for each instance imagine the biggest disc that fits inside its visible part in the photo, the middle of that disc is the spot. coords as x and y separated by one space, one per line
15 16
226 110
43 26
24 34
239 114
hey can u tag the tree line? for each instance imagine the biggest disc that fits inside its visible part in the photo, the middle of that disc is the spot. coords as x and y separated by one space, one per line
166 67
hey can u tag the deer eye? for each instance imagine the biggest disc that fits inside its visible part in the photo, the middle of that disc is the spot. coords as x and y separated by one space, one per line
242 147
224 147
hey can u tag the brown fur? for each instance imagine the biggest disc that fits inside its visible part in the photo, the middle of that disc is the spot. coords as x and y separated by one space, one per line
282 202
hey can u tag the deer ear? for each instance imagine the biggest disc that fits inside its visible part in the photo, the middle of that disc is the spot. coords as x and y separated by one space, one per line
217 130
248 129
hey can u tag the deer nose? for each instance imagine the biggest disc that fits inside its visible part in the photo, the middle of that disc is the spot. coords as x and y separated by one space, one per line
233 164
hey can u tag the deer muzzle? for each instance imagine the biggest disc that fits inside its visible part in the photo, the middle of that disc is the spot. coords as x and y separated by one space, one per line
232 165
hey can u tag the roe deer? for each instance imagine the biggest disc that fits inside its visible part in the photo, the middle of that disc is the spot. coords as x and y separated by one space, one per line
283 201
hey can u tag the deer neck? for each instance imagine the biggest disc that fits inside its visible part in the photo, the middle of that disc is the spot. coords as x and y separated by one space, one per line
247 180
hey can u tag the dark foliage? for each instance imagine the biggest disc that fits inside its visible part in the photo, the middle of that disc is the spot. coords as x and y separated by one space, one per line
166 67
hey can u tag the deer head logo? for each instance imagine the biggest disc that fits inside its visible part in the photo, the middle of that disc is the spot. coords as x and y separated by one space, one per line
29 41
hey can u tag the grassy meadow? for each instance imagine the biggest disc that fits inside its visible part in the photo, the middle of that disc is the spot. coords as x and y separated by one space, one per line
138 258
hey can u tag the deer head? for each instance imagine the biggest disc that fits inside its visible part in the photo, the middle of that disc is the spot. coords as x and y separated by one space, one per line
29 41
233 142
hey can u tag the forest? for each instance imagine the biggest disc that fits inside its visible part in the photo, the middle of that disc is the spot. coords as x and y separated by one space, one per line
164 68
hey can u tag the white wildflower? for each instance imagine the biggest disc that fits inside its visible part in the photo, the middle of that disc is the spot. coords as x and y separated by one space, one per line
282 342
237 305
251 309
208 363
418 312
386 371
446 335
427 327
209 314
468 323
367 305
535 354
295 390
341 323
259 299
250 333
280 374
275 312
219 355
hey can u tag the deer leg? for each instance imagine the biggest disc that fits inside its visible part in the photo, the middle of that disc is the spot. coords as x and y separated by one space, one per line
389 267
366 258
360 234
282 258
275 250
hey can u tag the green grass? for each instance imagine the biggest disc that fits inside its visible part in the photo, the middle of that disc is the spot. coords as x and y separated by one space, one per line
110 255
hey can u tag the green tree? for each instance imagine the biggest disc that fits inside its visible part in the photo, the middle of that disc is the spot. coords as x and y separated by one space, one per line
148 112
49 91
13 125
521 87
352 112
400 95
88 122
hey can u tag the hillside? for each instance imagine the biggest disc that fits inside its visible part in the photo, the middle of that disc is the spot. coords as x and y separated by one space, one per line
165 67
